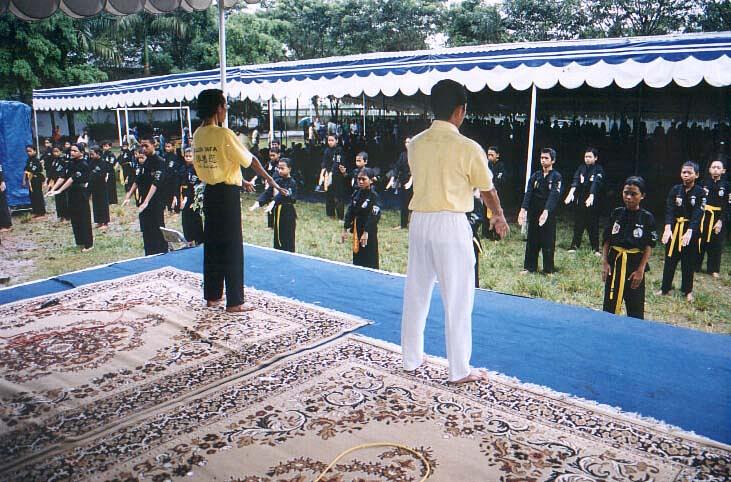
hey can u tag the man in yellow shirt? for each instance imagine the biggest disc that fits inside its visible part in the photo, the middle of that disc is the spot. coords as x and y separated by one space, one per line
445 167
218 158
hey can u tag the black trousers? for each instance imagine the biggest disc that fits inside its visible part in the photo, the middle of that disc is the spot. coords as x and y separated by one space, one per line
62 205
112 188
151 220
688 258
540 239
285 227
100 201
712 248
368 255
634 299
37 201
80 215
192 225
586 219
478 250
5 219
405 196
223 250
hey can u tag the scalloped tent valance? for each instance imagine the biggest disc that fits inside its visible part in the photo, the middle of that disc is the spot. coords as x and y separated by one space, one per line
687 60
40 9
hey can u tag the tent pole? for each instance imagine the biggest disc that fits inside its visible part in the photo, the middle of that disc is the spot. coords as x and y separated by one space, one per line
119 128
271 121
182 132
638 119
364 116
35 122
222 51
531 134
190 128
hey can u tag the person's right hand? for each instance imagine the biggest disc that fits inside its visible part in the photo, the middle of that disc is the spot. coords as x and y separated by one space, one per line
248 186
522 217
500 225
666 235
48 194
125 202
569 198
254 206
543 218
345 235
606 270
2 186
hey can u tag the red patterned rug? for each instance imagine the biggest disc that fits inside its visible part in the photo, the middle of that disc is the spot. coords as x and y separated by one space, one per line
287 421
109 351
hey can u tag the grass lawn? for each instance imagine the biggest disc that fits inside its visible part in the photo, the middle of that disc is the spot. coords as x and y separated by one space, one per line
43 248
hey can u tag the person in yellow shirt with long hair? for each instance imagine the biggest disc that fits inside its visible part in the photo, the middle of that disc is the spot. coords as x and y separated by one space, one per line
218 158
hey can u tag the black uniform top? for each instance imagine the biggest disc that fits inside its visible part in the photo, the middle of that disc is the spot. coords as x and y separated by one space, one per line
174 168
188 183
718 194
476 218
79 171
588 180
34 167
290 185
331 158
631 229
148 174
498 174
98 170
365 207
110 161
686 204
543 192
58 168
2 175
125 157
47 159
402 170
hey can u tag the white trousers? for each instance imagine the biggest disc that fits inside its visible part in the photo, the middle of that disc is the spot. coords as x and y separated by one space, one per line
440 249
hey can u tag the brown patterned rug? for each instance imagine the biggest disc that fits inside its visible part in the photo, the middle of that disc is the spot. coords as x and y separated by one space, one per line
287 421
117 349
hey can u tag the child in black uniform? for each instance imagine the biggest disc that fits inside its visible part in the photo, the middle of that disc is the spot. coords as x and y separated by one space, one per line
99 195
34 176
128 165
683 213
362 219
497 167
285 215
401 183
539 211
110 163
716 212
628 241
6 223
57 170
333 177
191 219
585 192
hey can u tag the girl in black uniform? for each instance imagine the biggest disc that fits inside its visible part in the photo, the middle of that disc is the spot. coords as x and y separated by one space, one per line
110 163
683 213
34 178
57 170
285 215
6 223
361 220
586 188
628 241
716 212
76 182
99 195
192 222
539 211
333 177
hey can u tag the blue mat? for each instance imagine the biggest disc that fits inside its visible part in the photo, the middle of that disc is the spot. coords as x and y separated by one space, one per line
676 375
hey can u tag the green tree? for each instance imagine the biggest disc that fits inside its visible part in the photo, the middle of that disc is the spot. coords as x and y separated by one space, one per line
715 17
536 20
473 22
621 18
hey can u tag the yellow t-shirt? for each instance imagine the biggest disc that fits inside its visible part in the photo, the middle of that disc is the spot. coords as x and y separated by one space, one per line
218 155
446 166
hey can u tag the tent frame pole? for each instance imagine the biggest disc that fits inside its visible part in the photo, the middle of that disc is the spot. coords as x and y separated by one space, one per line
126 125
222 51
35 123
119 127
364 116
531 134
270 106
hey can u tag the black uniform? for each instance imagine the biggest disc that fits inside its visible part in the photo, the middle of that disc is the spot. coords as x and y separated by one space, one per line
34 175
191 219
718 207
402 173
363 214
152 173
128 164
477 219
683 211
47 159
587 180
79 172
628 234
5 219
58 170
99 196
267 195
498 180
543 193
285 215
335 197
174 169
110 163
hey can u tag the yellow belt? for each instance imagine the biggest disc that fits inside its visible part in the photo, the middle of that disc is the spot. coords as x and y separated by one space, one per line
712 210
356 244
121 175
277 217
29 176
677 231
621 253
477 244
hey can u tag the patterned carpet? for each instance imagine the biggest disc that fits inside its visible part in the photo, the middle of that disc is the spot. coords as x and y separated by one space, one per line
84 361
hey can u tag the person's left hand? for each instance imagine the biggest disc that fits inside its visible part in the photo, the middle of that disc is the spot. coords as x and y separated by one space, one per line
636 278
344 236
2 186
500 225
589 201
282 191
543 218
606 270
248 186
687 237
364 239
142 207
718 226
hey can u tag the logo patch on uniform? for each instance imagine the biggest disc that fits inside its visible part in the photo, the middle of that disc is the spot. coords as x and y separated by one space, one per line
376 210
637 233
591 179
616 228
581 178
678 201
692 200
365 204
720 192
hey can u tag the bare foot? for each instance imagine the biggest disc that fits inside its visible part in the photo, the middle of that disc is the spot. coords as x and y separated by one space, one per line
240 308
5 230
689 297
396 227
524 272
86 250
212 303
716 275
474 376
660 293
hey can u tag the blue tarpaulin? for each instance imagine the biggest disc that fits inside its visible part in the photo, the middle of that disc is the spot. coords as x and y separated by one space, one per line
15 134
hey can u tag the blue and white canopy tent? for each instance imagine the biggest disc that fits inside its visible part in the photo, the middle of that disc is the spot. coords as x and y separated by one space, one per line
686 60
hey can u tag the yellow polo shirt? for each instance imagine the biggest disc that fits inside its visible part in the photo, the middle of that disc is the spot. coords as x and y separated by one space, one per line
218 155
446 166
